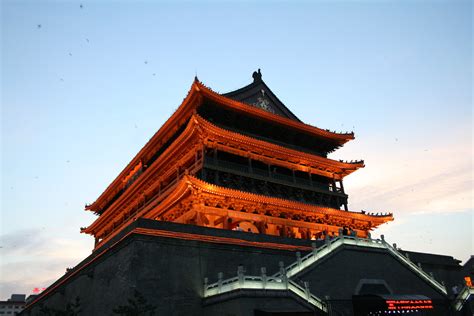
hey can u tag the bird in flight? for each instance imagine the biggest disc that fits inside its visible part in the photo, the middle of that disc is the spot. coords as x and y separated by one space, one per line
81 6
39 26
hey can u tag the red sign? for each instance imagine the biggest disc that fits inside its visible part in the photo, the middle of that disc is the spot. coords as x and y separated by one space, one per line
409 304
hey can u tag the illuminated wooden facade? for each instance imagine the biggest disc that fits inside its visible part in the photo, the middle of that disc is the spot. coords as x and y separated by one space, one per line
242 161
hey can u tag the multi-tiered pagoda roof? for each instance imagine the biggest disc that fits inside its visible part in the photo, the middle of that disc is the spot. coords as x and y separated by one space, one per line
239 160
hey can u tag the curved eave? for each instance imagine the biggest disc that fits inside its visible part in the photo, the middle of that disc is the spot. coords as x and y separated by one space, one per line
181 188
255 84
205 130
338 138
181 115
189 184
345 168
133 190
226 192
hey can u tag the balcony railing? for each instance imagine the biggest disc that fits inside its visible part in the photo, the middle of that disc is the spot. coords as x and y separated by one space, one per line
266 175
463 297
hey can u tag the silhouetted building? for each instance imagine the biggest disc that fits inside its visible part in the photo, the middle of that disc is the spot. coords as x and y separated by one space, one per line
14 305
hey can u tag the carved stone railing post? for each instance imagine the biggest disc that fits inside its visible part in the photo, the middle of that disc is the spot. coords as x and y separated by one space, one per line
284 278
298 259
220 276
206 282
314 249
306 290
281 267
327 298
240 275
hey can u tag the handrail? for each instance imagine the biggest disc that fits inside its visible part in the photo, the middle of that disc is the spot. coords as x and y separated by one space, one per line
263 282
306 294
265 176
282 279
246 281
462 297
416 268
331 245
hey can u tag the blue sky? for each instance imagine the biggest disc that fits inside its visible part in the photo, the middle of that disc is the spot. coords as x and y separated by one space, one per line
85 91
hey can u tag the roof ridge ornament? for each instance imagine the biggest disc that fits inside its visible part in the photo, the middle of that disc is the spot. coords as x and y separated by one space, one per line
257 76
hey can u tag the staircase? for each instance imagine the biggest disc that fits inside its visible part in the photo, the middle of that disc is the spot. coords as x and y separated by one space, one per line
462 298
281 281
245 282
330 246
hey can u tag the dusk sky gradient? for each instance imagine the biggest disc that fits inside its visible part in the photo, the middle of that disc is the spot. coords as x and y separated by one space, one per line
83 90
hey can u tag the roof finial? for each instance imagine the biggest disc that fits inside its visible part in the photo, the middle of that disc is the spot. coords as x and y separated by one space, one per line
257 76
196 75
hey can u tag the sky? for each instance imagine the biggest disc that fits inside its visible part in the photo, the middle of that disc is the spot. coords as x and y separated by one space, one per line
85 84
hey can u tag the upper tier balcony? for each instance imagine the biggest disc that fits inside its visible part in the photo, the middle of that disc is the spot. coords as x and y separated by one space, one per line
270 174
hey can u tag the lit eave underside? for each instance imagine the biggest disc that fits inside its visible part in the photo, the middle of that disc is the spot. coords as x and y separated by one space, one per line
200 131
203 186
194 99
189 184
339 138
179 117
256 148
